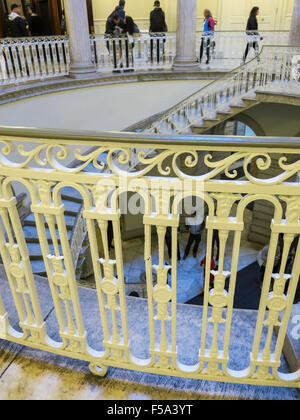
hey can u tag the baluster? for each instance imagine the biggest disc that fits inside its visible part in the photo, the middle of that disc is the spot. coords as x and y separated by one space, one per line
42 59
60 268
18 269
54 50
48 61
109 285
67 54
28 60
3 65
163 356
34 51
218 297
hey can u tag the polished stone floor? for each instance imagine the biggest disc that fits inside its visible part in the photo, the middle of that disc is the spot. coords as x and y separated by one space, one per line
30 374
189 272
35 375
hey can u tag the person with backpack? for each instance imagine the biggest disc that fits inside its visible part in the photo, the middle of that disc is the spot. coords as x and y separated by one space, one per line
16 25
158 28
252 33
158 19
208 34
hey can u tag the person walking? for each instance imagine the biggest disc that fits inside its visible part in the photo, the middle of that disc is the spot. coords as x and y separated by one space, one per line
36 25
16 24
168 238
208 35
196 226
252 33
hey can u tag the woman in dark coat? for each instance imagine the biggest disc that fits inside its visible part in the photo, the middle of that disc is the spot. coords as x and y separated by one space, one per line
252 33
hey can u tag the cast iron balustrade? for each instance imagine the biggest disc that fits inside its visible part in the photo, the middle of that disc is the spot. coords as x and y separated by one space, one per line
40 161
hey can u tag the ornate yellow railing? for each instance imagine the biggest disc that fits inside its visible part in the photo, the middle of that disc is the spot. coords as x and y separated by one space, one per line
41 163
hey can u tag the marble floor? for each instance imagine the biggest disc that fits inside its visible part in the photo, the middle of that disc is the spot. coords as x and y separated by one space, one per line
189 272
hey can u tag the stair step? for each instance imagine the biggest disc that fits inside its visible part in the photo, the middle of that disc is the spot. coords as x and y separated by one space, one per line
71 199
38 267
30 221
260 230
35 250
257 238
31 234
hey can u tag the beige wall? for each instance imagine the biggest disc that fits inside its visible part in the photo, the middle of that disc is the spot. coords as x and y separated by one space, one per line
231 14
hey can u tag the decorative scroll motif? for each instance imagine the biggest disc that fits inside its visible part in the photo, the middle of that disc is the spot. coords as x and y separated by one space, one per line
40 167
118 161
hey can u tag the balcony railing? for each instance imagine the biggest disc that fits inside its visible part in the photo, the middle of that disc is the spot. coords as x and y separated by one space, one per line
40 161
30 59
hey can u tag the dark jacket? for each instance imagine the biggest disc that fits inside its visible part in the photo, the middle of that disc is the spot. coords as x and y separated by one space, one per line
252 24
16 26
111 26
36 26
158 21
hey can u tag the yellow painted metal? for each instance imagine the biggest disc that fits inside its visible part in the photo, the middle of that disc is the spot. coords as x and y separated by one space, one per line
39 161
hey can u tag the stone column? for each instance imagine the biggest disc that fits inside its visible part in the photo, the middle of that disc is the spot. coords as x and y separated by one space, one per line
186 36
79 39
295 27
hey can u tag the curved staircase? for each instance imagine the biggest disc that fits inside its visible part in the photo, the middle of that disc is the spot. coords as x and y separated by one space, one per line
231 94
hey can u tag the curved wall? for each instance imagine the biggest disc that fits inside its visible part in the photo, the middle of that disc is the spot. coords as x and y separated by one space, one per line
111 107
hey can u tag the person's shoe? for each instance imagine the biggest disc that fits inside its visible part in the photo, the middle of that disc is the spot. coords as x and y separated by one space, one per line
185 257
195 254
201 291
207 62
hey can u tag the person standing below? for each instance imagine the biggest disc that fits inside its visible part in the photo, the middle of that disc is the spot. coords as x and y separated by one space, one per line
168 238
208 34
36 26
211 276
196 225
252 33
17 25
